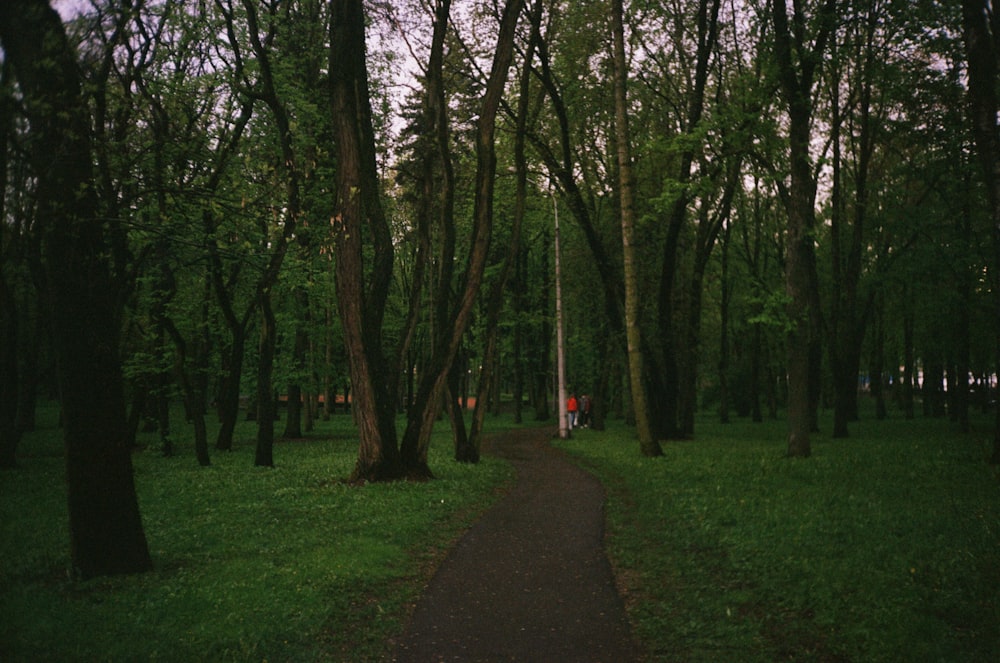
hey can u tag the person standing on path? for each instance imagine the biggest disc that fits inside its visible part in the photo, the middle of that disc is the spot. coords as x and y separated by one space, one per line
571 409
530 580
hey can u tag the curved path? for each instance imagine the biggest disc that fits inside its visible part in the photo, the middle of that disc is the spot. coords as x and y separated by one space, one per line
530 580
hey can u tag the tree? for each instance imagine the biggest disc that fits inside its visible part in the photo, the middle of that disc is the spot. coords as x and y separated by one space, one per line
9 432
358 214
106 533
798 64
649 445
982 43
423 412
494 302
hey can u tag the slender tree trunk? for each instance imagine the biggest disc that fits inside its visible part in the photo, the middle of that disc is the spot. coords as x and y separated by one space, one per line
724 329
801 280
106 533
9 432
267 410
10 378
228 401
877 371
31 345
909 360
300 351
421 421
540 343
979 20
648 445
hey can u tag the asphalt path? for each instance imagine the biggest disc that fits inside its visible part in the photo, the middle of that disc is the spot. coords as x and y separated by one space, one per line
530 580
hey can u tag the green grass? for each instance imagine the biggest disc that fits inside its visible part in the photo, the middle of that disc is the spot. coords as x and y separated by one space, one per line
881 547
251 564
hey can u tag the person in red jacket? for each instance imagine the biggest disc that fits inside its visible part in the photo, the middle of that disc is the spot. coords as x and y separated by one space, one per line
571 410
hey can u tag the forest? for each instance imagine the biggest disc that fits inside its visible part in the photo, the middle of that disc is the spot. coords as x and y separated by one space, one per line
245 206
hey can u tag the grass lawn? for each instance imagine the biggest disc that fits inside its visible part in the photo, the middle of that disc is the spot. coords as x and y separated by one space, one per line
252 564
881 547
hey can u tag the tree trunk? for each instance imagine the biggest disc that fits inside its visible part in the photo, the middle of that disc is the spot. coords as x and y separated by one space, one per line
877 371
228 400
724 329
648 445
452 328
10 378
360 297
983 51
9 374
106 533
801 281
267 410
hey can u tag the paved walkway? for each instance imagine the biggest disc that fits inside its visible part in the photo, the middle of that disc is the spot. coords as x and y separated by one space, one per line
530 580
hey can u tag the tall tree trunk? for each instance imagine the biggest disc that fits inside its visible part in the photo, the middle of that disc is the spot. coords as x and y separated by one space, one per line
495 300
801 281
10 434
849 309
982 45
909 360
673 395
877 370
106 533
228 400
421 418
357 210
710 224
300 352
648 445
540 343
267 411
724 329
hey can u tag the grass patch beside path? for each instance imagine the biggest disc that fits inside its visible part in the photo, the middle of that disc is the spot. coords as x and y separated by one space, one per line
252 564
881 547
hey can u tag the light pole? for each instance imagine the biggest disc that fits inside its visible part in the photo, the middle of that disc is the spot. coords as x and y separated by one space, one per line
560 348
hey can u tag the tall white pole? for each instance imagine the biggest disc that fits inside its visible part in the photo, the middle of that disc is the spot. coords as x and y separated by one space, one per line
560 348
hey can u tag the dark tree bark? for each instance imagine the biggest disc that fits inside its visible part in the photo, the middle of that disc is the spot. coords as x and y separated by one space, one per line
495 299
850 307
877 370
358 213
106 533
906 392
724 328
300 351
673 390
10 434
648 444
710 224
193 376
266 406
981 26
420 420
797 76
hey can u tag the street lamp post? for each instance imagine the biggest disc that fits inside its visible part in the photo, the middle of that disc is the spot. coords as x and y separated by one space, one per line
560 348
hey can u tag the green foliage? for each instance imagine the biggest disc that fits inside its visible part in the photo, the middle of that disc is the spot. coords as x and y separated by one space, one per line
882 547
251 564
